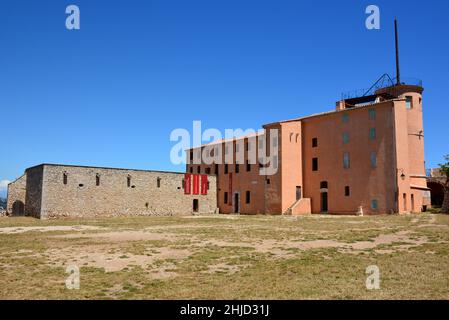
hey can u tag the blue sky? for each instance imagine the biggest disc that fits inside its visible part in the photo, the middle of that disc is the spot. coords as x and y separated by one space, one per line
110 93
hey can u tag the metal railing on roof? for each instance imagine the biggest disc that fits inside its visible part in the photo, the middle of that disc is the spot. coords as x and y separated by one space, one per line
384 81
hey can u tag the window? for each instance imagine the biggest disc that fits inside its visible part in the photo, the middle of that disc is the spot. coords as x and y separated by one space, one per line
248 166
268 181
226 168
225 198
64 178
216 169
158 182
345 137
374 204
198 169
347 191
345 118
408 102
191 169
315 164
372 114
97 180
207 170
248 197
237 168
191 155
323 185
372 133
373 159
346 160
314 142
128 181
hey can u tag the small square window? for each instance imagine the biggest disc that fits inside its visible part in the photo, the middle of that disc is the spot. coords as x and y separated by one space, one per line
345 137
225 198
374 204
314 142
373 160
248 197
347 191
408 102
346 160
372 133
237 168
315 164
226 168
345 118
198 169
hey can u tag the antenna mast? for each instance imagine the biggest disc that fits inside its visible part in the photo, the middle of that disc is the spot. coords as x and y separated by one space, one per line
398 73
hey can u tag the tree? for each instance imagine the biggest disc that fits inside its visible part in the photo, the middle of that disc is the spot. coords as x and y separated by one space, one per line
444 170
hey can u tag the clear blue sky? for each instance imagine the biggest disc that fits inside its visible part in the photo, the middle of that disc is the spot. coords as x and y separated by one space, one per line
111 93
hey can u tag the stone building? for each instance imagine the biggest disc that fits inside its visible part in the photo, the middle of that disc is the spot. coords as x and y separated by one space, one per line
51 191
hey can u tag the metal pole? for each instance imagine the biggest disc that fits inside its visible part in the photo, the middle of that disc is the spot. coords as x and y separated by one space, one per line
398 73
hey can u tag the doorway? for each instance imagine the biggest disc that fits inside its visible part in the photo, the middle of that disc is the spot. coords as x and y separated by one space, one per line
298 193
195 205
324 204
236 202
18 208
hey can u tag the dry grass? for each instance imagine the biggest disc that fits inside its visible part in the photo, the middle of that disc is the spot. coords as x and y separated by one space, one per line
226 257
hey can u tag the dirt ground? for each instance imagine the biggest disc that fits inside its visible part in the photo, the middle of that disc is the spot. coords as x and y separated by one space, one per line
226 257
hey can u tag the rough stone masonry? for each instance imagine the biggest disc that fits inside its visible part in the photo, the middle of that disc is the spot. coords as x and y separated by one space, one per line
52 191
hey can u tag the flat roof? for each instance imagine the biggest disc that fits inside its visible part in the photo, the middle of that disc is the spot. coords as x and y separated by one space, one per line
94 167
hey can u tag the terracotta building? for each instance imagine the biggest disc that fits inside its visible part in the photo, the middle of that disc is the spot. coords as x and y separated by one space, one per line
366 156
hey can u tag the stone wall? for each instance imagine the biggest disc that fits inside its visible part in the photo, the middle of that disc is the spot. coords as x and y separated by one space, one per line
16 197
82 197
34 189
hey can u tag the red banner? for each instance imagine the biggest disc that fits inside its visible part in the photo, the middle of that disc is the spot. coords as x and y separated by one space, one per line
230 189
196 184
187 183
204 184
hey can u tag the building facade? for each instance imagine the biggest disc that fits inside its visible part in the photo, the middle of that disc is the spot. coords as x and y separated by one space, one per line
365 156
52 191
